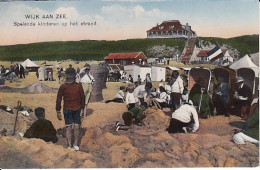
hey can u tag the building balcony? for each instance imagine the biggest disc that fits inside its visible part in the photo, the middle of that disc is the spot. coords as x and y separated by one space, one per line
167 36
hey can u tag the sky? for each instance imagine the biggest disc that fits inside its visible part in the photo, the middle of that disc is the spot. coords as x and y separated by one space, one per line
122 19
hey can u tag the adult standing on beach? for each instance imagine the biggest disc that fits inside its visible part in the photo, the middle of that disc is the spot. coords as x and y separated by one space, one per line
73 106
176 89
87 81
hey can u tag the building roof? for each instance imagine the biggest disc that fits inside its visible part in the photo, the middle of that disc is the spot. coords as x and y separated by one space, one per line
224 51
172 25
203 53
121 56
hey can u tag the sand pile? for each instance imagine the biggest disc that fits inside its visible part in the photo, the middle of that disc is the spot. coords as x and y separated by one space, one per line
152 146
35 88
7 122
39 88
140 146
35 153
156 119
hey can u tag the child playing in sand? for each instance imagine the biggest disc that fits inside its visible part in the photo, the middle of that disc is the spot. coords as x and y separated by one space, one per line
134 115
119 97
41 128
130 98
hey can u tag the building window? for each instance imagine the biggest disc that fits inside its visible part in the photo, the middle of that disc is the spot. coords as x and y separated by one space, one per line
123 62
171 26
161 27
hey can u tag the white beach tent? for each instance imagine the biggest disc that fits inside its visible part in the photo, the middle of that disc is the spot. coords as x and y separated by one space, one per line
135 70
158 73
29 65
242 68
245 62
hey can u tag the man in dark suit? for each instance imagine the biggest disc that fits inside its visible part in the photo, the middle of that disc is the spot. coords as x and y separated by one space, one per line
242 97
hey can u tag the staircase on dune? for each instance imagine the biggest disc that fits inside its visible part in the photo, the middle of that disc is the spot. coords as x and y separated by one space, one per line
188 50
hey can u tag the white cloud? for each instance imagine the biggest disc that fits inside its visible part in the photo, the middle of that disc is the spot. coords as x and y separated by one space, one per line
114 10
122 12
138 10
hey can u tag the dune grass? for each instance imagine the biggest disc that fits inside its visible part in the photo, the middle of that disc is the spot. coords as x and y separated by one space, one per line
81 50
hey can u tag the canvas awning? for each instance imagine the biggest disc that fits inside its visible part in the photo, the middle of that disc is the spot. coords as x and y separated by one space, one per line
172 68
186 68
245 62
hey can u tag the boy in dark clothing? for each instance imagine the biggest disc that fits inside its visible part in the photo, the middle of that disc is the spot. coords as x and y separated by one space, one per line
73 96
42 128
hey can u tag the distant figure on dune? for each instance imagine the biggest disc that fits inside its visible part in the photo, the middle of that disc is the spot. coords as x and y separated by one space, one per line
73 107
41 128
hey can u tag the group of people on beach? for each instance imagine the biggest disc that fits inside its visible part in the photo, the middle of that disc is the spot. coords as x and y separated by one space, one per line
75 94
186 107
13 72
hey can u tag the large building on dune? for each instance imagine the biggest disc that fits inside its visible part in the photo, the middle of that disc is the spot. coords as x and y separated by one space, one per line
171 29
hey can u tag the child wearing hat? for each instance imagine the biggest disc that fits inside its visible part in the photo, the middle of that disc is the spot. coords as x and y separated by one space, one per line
87 81
74 102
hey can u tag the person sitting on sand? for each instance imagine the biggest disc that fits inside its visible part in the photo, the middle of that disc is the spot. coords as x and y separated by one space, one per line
134 115
159 85
250 131
160 101
141 92
119 97
41 128
183 117
242 98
